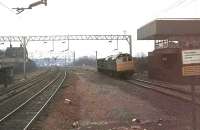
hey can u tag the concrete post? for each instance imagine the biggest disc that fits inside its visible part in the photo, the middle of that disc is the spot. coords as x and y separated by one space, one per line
24 46
130 44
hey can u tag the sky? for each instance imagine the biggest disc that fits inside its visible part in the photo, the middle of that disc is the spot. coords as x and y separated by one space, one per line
90 17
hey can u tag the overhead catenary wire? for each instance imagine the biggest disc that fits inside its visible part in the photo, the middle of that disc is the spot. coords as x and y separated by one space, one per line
175 5
181 4
5 6
192 1
178 4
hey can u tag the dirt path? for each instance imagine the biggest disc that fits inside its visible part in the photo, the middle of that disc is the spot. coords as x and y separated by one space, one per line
99 102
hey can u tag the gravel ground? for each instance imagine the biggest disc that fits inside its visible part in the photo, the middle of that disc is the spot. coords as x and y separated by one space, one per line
100 102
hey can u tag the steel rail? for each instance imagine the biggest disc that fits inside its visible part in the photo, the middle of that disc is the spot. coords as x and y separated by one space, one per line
184 96
22 88
28 80
22 83
20 106
22 118
164 86
45 105
14 101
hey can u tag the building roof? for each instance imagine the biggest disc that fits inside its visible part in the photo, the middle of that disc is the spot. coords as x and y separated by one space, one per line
113 57
15 52
163 28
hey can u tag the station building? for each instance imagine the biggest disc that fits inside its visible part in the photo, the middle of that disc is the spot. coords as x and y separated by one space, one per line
176 57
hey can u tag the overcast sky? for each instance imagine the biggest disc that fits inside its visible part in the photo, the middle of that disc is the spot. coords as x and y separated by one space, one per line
90 17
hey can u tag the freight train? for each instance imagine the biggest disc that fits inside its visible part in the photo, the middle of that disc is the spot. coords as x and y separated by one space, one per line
120 65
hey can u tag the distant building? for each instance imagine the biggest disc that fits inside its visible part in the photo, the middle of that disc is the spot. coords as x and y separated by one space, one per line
17 52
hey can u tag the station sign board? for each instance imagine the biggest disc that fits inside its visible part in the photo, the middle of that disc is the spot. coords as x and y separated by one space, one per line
193 70
191 56
191 62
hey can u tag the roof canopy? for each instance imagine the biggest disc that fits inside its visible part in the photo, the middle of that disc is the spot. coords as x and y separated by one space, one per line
163 28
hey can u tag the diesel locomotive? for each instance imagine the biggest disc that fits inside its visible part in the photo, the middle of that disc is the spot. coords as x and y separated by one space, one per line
121 65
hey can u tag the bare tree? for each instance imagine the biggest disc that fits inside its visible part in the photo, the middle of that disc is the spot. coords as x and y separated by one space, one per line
85 60
141 62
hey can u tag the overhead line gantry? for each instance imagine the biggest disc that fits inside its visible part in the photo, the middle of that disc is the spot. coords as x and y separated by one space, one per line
25 39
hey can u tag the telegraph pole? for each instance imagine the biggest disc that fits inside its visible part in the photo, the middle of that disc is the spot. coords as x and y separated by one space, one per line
130 44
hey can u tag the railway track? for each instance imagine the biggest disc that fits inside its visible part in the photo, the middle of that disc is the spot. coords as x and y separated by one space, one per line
13 101
166 90
22 86
19 83
23 114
